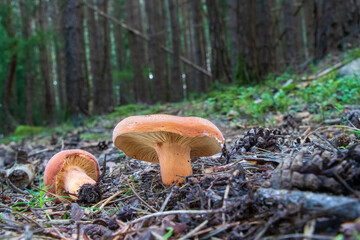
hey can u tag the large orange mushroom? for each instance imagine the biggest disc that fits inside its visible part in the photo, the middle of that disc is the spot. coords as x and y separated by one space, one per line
69 171
169 140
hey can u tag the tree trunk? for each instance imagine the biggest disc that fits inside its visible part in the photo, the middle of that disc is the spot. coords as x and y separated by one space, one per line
288 22
118 36
265 45
74 73
233 27
85 86
220 63
133 18
176 86
156 55
46 66
337 23
7 22
107 96
192 82
58 23
100 47
27 32
201 81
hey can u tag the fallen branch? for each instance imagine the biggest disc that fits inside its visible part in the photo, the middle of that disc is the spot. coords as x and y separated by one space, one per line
326 71
346 208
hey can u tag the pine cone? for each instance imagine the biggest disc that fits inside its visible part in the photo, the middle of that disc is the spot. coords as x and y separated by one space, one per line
259 138
352 118
322 171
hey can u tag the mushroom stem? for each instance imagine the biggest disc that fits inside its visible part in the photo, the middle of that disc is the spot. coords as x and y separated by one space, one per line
175 162
74 179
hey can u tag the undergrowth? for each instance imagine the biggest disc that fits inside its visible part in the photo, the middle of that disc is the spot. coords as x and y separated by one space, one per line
285 94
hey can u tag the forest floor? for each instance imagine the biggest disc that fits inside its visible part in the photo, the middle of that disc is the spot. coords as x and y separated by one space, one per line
296 181
296 178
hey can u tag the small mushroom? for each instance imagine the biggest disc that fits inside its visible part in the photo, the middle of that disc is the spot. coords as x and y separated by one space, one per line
73 173
169 140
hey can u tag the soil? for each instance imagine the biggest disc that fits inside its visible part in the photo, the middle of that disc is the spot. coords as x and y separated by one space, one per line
295 180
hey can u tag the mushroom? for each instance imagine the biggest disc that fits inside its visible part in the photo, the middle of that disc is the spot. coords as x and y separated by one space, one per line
73 173
169 140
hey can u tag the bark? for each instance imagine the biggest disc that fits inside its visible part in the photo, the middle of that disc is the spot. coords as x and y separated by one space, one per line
157 57
201 81
74 72
26 33
309 19
341 207
100 47
84 84
233 29
95 60
7 22
107 93
220 62
191 81
176 87
185 42
288 22
124 88
336 24
58 24
46 66
266 54
141 89
118 36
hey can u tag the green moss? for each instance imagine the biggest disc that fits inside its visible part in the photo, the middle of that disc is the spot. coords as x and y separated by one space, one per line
26 131
98 136
127 110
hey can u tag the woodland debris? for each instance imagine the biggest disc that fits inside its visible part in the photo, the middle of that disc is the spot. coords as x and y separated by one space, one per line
22 173
345 208
322 171
259 138
352 118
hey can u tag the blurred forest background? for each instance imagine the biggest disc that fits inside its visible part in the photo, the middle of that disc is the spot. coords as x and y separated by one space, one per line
68 59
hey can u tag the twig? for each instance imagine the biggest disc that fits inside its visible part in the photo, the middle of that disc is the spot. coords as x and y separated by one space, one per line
226 195
336 126
345 184
326 71
14 188
38 152
327 141
300 236
186 236
108 200
21 215
176 212
63 221
166 201
215 230
142 200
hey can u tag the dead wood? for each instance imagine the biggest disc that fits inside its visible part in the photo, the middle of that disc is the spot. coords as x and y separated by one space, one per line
345 208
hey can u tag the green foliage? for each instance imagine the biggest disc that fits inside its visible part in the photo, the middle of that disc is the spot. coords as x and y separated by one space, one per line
169 233
99 136
127 110
38 199
27 131
322 96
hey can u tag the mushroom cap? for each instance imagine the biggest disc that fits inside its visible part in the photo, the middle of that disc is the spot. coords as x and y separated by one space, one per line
137 136
74 157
